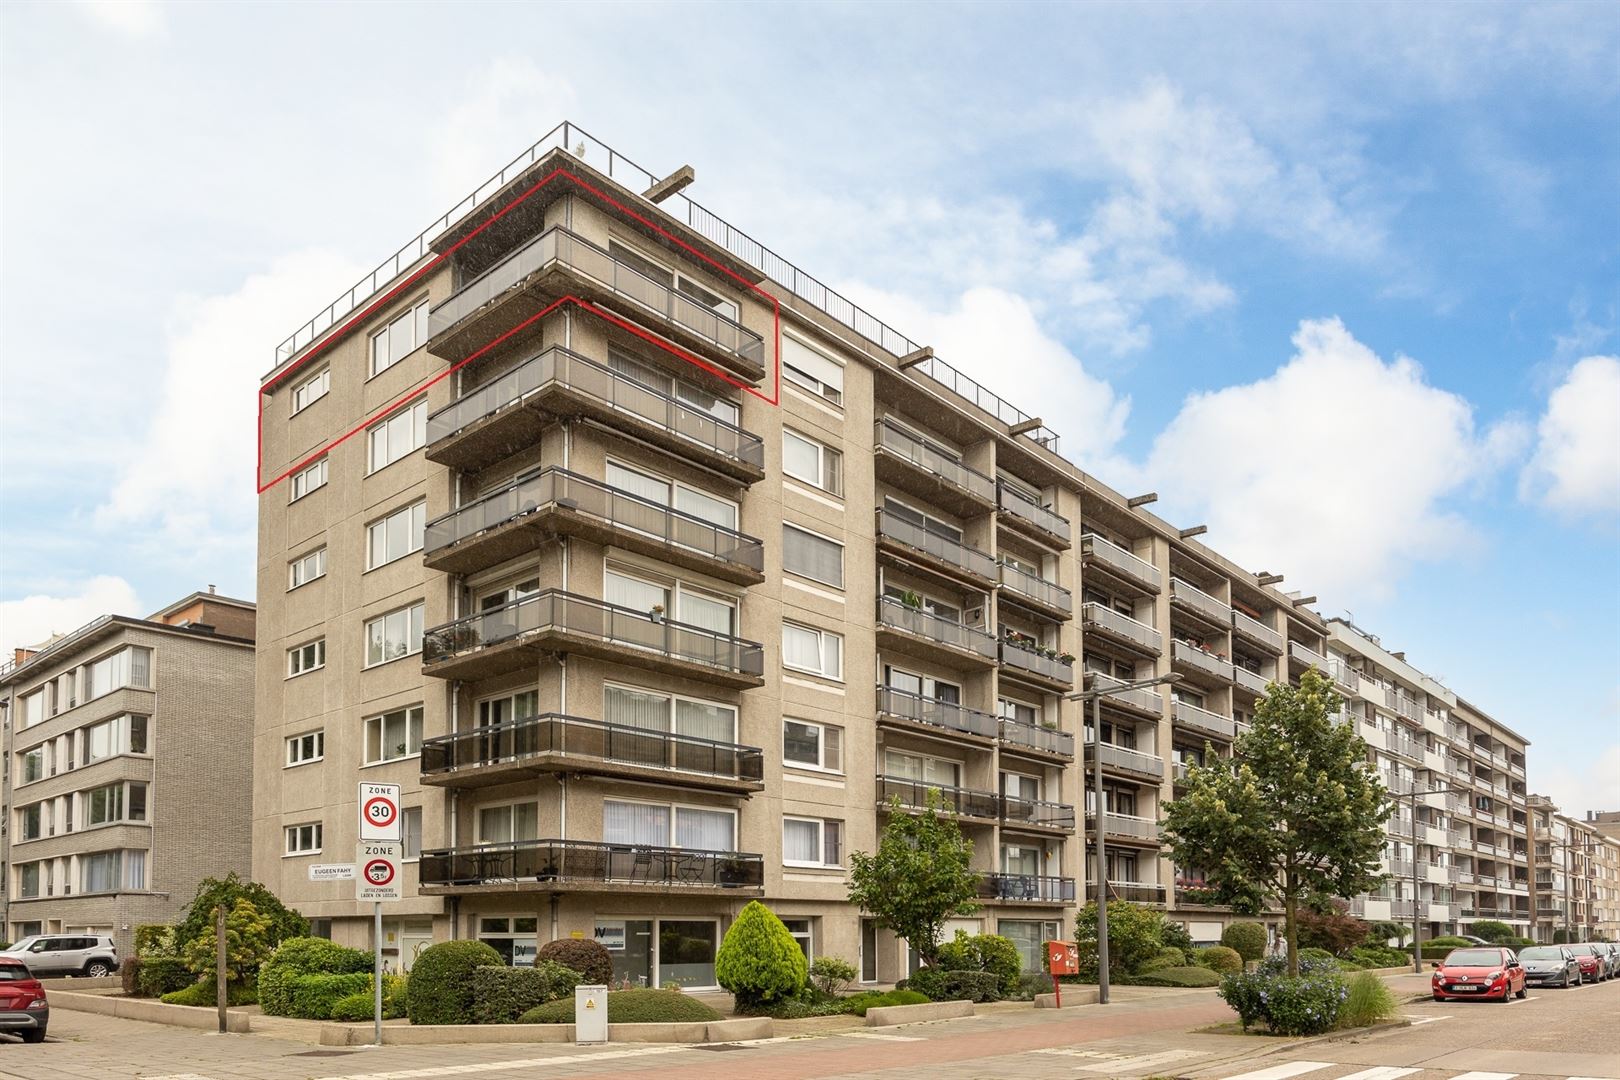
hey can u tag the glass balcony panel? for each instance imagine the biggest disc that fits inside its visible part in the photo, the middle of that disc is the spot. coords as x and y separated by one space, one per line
902 444
943 548
942 714
1027 510
1047 593
1107 618
893 613
1110 554
1026 887
1196 599
551 863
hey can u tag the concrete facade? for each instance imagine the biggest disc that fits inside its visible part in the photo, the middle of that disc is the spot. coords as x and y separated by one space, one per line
1577 878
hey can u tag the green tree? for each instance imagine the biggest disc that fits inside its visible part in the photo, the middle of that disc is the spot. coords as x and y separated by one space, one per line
758 961
1296 813
1135 936
212 892
1491 930
247 945
1379 933
919 877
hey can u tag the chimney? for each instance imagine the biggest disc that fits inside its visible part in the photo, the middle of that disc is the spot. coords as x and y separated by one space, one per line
1398 655
20 656
211 590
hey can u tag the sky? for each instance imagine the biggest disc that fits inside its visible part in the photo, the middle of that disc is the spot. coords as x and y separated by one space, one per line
1341 282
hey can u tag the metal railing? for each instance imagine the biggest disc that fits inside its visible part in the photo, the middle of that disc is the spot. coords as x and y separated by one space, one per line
556 862
563 367
1024 508
1135 761
1105 617
976 562
1112 555
941 714
902 444
587 616
1196 599
1048 593
1209 663
1345 675
1139 828
554 487
916 794
1050 740
892 613
1140 698
1019 811
1256 630
1402 745
1408 708
1204 720
574 736
1249 680
1020 658
66 641
1306 655
1136 892
1027 887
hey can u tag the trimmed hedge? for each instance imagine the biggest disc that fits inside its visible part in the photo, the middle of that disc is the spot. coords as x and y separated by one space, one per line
1219 958
586 957
983 952
938 984
203 993
440 990
358 1008
314 995
159 975
876 1000
1247 939
623 1007
1178 976
502 994
297 957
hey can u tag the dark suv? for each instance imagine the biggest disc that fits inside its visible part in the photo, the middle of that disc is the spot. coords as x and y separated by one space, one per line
66 954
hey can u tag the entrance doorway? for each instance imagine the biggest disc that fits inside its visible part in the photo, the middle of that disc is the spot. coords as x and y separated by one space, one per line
652 952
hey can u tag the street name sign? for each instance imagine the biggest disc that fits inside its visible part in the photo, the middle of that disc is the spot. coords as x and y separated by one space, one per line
337 871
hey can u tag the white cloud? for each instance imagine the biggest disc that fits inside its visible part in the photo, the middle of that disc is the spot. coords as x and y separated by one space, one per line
33 619
1581 783
133 18
1576 467
1333 469
506 105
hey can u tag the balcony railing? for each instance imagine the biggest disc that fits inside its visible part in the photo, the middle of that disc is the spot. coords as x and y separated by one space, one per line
1194 657
919 623
1204 720
559 245
1138 828
1032 737
915 795
975 562
1123 758
1048 594
1345 675
1401 745
1139 698
941 714
1255 630
552 863
1105 618
562 612
1251 681
1026 887
1101 550
1050 815
1136 892
561 367
556 735
1027 510
552 488
1020 658
1408 708
1306 655
893 440
1196 599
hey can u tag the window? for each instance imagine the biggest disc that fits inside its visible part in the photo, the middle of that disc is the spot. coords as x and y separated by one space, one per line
399 338
411 823
33 708
33 765
1030 936
805 459
394 735
305 748
303 571
682 284
310 656
801 931
396 535
509 823
815 557
818 652
812 746
661 825
311 390
690 500
713 613
30 822
939 772
394 635
651 710
304 839
307 480
67 691
687 394
28 880
127 667
134 869
812 370
926 522
514 939
115 802
398 435
1017 712
812 842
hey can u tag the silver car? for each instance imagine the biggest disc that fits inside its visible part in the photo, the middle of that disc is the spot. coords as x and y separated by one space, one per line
1550 965
49 955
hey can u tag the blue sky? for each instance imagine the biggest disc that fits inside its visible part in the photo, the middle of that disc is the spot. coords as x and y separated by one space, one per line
1342 282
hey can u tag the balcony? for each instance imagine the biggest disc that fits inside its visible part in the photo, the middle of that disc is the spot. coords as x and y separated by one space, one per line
1199 603
1345 677
923 634
1030 739
933 476
1203 720
526 748
1136 892
1133 763
1098 553
1256 632
1020 660
1305 656
1138 702
506 414
547 866
908 711
1036 815
560 263
1252 681
514 520
515 635
1121 630
982 807
1127 827
1026 888
1408 708
940 554
1406 747
1030 517
1043 597
1199 663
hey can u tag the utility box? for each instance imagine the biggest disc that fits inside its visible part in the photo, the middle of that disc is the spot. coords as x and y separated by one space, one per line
590 1015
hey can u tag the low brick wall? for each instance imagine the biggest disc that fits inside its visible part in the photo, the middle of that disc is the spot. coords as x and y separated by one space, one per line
714 1031
150 1010
889 1015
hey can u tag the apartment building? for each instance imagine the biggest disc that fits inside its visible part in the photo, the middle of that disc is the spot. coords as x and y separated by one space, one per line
1577 878
1458 846
128 750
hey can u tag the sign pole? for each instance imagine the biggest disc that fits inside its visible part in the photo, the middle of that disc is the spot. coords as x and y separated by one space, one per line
376 977
378 858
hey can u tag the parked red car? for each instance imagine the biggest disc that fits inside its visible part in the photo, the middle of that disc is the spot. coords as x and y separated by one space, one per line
1478 973
1593 966
23 1008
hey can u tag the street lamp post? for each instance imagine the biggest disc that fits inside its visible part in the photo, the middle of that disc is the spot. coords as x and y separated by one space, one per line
1095 696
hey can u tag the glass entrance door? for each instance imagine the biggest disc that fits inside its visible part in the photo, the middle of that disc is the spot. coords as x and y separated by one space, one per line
652 952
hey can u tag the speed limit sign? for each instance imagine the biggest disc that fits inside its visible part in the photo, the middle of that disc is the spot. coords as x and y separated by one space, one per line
378 873
379 813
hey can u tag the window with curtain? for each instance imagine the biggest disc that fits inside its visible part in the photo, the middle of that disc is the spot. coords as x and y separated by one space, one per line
99 872
641 824
635 708
634 593
804 648
705 830
811 369
510 823
803 458
811 556
134 869
708 612
922 770
811 842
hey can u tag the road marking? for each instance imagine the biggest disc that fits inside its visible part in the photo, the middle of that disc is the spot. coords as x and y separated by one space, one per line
570 1063
1416 1020
879 1035
1283 1071
1383 1072
1484 1076
1142 1062
1065 1051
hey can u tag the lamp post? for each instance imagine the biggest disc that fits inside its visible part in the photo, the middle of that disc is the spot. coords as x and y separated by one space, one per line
1568 848
1417 941
1095 696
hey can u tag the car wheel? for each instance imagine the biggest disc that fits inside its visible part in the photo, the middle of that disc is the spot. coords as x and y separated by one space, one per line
33 1035
1524 992
95 969
1437 997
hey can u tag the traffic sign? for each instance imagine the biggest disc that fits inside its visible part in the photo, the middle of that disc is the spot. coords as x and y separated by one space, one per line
380 818
378 879
336 871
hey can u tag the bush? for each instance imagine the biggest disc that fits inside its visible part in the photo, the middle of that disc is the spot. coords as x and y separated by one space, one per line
1219 958
1368 1002
440 990
623 1007
1450 941
1321 955
1031 983
1335 930
129 973
830 974
1135 935
1379 933
1497 933
586 957
154 938
358 1008
283 922
983 952
160 975
1306 1005
1178 976
759 961
1247 939
502 994
1374 956
875 1000
314 995
1176 936
300 956
202 993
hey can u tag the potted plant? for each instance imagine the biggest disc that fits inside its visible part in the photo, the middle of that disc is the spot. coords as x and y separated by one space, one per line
731 871
1066 658
912 600
657 613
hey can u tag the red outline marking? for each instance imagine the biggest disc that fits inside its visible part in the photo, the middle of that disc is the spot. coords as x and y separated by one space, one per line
393 811
343 331
385 864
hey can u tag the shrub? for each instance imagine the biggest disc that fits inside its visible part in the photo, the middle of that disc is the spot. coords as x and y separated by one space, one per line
314 995
758 960
623 1007
358 1008
983 952
928 981
1450 941
154 938
1306 1005
1321 955
1379 933
1220 959
1176 936
586 957
874 1000
160 975
502 994
1178 976
440 990
1308 965
249 941
212 892
1374 956
1368 1002
831 975
202 993
1248 939
1134 936
303 956
1335 930
1031 983
129 976
1497 933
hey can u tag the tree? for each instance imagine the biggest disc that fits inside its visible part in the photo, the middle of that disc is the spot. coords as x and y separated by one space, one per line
1498 933
1379 933
212 892
758 961
1296 813
1333 929
247 945
919 877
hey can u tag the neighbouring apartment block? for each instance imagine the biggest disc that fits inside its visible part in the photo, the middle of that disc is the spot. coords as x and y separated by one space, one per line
128 746
1577 878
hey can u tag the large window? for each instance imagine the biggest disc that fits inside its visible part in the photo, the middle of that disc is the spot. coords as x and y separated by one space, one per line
31 822
399 338
509 823
663 825
651 710
812 370
67 690
304 839
115 802
664 492
394 635
394 735
687 604
940 772
120 735
307 480
819 652
305 748
1030 936
397 436
396 535
127 667
411 830
306 569
311 390
514 939
812 746
100 872
33 708
817 464
33 764
28 880
808 555
812 842
310 656
693 397
670 279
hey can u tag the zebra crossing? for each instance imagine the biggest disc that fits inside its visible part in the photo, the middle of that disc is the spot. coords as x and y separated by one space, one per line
1101 1064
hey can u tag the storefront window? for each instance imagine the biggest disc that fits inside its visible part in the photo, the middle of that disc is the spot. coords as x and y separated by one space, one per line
514 939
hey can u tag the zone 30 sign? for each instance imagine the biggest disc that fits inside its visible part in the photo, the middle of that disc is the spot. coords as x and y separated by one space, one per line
380 818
